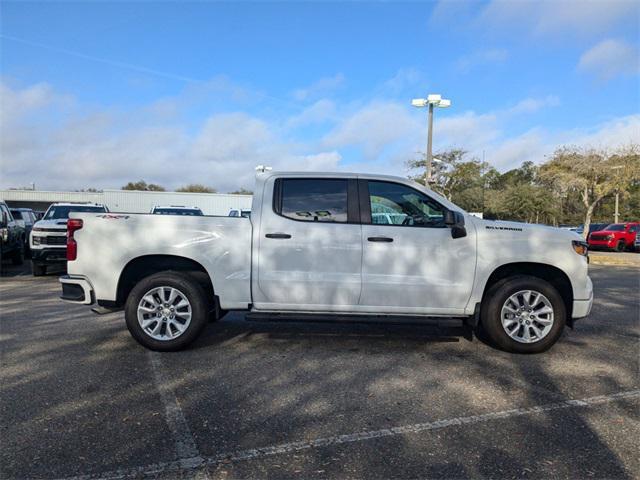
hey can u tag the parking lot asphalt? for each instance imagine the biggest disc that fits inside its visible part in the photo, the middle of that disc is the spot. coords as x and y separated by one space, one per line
80 399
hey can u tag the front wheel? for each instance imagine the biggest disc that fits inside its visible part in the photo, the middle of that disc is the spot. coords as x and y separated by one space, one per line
523 314
38 270
166 311
620 246
18 256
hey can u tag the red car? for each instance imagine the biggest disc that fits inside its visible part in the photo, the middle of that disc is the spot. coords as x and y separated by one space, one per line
617 236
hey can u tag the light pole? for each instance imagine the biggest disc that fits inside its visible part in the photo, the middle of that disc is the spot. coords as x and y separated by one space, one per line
617 167
432 100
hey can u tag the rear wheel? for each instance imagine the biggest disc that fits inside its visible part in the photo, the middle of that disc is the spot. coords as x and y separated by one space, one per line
523 314
166 311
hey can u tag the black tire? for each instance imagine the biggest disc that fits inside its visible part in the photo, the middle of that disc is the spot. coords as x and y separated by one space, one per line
497 295
38 270
194 294
18 256
620 246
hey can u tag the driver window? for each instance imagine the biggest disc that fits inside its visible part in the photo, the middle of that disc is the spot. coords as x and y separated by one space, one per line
396 204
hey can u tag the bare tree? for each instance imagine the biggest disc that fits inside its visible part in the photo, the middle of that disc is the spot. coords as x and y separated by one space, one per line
594 174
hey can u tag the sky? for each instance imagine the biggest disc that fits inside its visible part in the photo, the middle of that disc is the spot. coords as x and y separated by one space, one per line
96 94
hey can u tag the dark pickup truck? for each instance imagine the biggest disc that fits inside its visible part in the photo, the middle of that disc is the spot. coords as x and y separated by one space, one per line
12 237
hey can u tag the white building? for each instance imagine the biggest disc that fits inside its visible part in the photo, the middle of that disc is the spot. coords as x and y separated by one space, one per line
131 201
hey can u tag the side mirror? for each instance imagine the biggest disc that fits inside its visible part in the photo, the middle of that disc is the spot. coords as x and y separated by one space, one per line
455 221
5 220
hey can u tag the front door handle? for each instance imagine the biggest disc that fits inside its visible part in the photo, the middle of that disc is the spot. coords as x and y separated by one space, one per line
380 239
278 235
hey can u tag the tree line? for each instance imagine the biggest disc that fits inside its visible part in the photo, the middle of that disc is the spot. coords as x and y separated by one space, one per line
574 186
143 186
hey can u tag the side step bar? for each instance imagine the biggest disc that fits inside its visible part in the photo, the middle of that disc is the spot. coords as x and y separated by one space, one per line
441 322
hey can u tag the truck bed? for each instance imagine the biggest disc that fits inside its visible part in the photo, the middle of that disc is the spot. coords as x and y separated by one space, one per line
107 243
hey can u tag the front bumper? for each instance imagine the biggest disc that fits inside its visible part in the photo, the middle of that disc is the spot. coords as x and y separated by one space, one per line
582 308
48 256
602 244
77 289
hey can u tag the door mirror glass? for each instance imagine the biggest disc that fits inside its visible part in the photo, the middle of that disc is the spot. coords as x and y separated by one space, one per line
455 221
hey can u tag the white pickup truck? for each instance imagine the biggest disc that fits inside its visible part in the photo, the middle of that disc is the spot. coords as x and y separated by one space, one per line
331 245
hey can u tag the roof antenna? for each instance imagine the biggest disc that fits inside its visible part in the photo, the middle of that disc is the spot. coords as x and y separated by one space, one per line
263 168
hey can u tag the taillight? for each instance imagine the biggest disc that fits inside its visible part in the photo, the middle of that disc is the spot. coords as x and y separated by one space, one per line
73 224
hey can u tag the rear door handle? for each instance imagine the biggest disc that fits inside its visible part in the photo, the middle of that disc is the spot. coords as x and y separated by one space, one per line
380 239
278 235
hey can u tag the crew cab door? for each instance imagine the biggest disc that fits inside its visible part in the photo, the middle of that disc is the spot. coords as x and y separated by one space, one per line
411 263
309 245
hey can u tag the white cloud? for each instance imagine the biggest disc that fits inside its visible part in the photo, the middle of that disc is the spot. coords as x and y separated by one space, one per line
16 104
63 145
534 144
478 58
320 87
69 148
532 105
373 127
512 152
403 79
558 17
469 130
610 58
319 112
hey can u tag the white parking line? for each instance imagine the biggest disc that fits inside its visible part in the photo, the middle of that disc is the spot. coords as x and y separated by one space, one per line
185 445
198 461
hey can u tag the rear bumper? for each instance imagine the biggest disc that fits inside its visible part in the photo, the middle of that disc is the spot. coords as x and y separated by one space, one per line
77 289
49 256
582 308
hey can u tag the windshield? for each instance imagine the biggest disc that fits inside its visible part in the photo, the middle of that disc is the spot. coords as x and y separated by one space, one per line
178 211
62 211
616 227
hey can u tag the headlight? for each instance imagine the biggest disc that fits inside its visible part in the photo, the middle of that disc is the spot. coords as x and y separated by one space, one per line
36 240
38 229
580 247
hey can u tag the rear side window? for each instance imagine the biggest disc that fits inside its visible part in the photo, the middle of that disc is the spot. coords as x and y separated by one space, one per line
313 199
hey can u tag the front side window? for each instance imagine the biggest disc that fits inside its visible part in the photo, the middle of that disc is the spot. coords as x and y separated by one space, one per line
314 200
616 227
397 204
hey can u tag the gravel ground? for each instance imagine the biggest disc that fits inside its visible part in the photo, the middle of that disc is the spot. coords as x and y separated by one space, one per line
290 400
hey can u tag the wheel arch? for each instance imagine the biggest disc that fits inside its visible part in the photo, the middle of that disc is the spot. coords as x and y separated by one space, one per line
552 274
143 266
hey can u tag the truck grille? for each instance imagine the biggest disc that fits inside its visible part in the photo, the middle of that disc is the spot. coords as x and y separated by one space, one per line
598 236
54 240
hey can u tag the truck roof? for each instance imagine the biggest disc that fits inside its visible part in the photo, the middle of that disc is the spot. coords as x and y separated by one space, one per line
74 204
